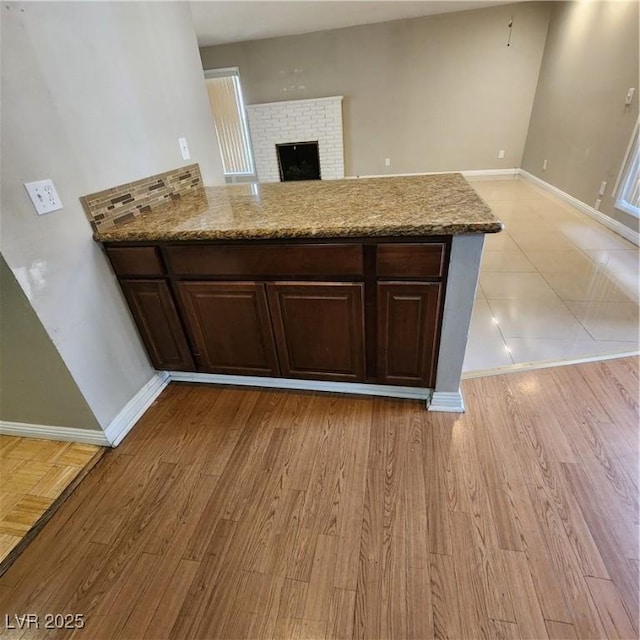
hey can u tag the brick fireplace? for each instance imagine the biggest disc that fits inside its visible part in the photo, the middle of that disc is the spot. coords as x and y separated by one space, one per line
292 122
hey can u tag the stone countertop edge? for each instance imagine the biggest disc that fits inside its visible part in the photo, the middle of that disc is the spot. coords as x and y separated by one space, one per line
430 205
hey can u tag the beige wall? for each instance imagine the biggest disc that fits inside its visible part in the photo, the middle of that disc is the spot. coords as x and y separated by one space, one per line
432 94
35 385
580 124
93 95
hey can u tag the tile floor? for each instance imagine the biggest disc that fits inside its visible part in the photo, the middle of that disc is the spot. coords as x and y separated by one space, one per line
33 473
554 285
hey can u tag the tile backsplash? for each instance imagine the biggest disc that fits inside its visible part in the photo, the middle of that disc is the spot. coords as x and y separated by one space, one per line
114 206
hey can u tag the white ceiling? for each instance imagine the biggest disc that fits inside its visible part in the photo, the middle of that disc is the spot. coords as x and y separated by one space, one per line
220 22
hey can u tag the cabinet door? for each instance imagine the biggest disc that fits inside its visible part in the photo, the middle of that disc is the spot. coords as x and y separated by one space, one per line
152 307
319 329
408 320
230 327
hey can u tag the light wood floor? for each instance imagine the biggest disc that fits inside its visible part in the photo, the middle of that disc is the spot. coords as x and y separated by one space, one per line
33 474
266 514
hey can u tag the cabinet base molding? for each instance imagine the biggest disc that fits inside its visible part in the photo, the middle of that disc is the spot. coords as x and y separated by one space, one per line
390 391
446 401
133 410
51 432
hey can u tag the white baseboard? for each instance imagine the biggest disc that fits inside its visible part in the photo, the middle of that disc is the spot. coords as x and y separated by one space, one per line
614 225
111 436
446 401
50 432
491 173
472 173
133 410
416 393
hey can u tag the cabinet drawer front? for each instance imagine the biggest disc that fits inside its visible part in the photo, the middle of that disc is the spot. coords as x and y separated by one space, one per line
411 260
135 261
271 260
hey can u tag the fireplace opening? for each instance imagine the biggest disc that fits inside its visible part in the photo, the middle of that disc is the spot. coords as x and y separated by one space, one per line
298 161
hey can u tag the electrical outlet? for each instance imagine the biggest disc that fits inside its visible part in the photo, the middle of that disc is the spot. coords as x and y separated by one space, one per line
387 162
184 148
603 188
629 97
44 196
501 154
544 165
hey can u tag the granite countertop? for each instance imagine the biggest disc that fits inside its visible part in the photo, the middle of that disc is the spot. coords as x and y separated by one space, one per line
442 204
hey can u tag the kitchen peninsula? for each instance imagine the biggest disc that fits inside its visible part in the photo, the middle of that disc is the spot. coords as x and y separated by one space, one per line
358 285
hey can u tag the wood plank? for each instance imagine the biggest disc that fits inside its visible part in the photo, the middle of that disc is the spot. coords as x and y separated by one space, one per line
445 597
416 522
500 464
242 612
612 537
316 511
576 595
613 613
124 594
318 600
523 595
475 490
340 623
201 596
305 442
560 630
270 508
553 501
369 585
352 500
472 598
170 603
419 603
292 600
501 630
620 402
548 580
437 450
545 415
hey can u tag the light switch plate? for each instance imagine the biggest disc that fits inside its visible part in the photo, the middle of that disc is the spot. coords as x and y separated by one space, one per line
44 196
184 148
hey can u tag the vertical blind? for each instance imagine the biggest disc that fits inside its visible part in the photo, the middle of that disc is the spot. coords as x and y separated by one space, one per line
631 192
629 181
225 98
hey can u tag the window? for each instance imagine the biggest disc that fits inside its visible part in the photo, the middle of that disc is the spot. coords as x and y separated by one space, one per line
628 187
225 97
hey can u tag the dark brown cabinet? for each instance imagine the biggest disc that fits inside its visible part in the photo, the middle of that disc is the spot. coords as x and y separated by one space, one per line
408 322
154 311
230 327
319 329
366 310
